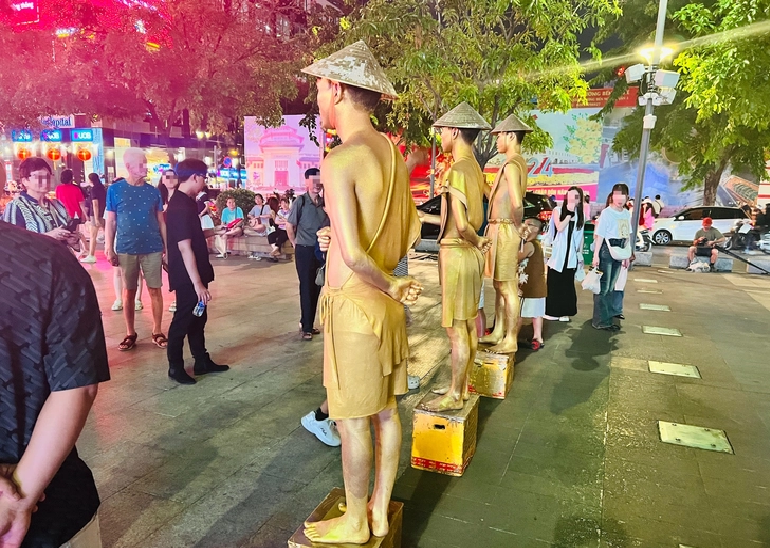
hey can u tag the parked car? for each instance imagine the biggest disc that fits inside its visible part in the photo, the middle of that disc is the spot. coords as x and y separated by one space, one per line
535 205
683 226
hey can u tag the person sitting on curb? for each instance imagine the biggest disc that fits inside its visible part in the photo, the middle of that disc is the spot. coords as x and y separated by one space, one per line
704 245
231 227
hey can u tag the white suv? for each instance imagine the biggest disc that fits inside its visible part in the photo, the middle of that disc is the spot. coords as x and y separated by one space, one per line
684 225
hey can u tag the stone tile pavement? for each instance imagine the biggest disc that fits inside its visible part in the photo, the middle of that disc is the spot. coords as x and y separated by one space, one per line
572 458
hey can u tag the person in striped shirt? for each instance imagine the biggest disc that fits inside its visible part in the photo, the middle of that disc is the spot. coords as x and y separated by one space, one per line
33 210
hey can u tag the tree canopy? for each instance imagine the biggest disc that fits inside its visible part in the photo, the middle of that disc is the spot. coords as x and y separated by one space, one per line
721 116
138 61
495 55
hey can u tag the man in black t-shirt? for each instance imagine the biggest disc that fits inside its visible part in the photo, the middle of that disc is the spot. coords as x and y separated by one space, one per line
52 357
189 274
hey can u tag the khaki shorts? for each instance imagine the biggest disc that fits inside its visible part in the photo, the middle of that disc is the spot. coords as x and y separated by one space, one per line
151 265
88 537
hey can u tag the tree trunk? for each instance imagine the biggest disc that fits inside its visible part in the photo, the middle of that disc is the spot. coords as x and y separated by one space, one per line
710 185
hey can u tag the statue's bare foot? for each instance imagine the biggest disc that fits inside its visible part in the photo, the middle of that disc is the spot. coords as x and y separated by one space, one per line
466 393
441 390
378 521
444 403
339 530
508 345
492 338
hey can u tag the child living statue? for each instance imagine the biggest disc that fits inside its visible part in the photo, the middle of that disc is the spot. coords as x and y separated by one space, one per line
461 249
373 224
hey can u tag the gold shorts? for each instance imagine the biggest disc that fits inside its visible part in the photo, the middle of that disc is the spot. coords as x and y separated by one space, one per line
460 269
365 350
502 260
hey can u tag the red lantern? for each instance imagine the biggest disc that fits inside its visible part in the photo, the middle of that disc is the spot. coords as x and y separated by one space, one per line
84 154
54 153
23 153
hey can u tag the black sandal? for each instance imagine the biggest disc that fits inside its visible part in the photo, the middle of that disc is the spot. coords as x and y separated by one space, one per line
128 343
160 340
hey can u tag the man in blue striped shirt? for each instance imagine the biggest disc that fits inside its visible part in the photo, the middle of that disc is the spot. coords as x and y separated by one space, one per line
32 209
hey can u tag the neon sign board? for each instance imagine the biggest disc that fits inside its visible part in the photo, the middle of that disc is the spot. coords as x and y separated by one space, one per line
51 135
21 136
82 135
25 12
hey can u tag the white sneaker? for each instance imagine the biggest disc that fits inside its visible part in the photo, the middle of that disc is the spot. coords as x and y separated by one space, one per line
138 305
325 431
117 306
89 259
222 256
172 307
564 319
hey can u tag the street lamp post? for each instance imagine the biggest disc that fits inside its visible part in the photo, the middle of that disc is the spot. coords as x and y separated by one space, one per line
649 116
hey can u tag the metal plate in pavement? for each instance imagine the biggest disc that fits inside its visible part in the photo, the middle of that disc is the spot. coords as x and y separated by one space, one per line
650 291
694 436
650 330
656 307
676 369
645 281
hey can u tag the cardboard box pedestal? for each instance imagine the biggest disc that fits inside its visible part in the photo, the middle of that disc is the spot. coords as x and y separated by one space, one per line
329 509
491 375
444 442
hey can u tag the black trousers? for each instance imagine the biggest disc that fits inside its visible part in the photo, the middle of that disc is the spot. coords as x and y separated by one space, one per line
186 324
278 238
307 265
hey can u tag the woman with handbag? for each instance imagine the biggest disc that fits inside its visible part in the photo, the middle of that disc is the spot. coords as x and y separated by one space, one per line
612 251
566 234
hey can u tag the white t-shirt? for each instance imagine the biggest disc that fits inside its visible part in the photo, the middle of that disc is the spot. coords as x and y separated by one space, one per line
260 211
614 224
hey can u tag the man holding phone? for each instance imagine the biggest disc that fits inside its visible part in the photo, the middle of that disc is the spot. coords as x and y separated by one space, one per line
306 218
34 211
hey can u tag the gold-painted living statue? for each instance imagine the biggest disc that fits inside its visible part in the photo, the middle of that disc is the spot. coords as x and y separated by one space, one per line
461 259
506 209
373 224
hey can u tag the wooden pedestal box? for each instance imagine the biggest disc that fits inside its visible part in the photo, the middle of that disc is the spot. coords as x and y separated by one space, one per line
491 375
444 442
329 509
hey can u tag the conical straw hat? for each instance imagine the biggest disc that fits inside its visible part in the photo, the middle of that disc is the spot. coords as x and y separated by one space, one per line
512 123
356 66
463 116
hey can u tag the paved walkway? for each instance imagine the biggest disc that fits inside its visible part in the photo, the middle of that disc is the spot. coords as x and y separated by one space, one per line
572 458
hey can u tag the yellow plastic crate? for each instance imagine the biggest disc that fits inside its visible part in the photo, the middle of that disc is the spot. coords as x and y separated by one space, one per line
491 375
445 442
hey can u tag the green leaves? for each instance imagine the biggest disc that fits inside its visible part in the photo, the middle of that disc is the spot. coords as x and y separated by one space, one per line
721 117
495 54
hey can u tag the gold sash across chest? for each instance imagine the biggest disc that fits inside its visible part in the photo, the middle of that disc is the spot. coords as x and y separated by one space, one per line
381 312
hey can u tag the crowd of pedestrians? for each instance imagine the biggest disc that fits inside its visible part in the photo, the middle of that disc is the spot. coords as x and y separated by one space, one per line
148 229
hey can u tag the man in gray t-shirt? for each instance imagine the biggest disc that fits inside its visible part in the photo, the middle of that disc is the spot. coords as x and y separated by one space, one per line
306 218
705 243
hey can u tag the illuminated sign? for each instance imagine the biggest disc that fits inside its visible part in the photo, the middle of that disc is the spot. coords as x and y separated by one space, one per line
25 12
231 173
82 135
21 136
51 135
58 122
